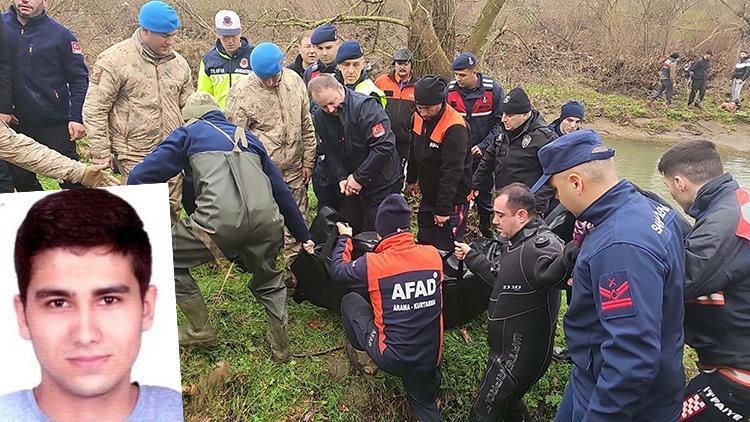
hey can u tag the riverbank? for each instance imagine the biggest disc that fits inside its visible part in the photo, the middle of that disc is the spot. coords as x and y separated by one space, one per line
634 118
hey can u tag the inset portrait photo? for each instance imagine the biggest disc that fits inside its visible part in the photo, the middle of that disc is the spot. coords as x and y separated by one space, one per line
87 306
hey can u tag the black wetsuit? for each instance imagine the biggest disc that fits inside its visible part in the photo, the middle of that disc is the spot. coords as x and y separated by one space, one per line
522 318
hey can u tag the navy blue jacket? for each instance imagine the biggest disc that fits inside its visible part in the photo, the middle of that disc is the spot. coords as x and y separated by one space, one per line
717 289
404 281
359 141
50 78
480 107
174 154
624 323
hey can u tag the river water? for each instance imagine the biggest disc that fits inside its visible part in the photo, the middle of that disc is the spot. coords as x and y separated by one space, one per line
637 159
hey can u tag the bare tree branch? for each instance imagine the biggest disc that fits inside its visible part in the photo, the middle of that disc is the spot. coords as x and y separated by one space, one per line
478 36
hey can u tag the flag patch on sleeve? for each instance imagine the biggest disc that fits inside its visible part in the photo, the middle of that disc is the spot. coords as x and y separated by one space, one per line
615 297
378 130
75 46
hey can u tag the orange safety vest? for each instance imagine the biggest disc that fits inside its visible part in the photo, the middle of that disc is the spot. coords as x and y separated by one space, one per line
450 118
393 90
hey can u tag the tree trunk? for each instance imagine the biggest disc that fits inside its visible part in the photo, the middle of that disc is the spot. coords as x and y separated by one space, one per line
481 30
443 20
429 56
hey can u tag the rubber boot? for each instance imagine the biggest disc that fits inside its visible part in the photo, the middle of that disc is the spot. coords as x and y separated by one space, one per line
485 225
360 360
197 330
277 337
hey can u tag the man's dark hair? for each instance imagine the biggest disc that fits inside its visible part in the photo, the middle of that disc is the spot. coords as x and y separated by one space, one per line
675 55
710 52
695 159
519 197
78 220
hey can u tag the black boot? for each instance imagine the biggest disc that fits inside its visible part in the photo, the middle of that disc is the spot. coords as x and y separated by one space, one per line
485 225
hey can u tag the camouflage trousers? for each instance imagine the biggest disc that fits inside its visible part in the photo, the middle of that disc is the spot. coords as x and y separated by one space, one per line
297 186
125 165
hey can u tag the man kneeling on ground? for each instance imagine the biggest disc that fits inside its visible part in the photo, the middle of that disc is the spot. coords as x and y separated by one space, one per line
402 330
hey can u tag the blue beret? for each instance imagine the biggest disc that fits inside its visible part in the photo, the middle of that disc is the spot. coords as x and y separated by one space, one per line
266 60
572 109
465 61
569 151
349 50
157 16
323 33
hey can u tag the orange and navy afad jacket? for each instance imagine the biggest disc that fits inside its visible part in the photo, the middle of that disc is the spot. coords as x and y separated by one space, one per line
404 281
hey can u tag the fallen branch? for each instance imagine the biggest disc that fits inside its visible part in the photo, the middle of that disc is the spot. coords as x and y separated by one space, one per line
312 354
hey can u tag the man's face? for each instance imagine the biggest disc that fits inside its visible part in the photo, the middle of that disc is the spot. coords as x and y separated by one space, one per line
466 78
271 82
159 43
743 55
428 112
30 8
352 69
329 99
677 188
403 70
707 56
514 121
570 125
326 51
507 222
307 51
231 43
84 316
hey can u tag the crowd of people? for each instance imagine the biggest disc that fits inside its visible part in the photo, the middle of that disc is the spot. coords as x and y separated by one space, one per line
240 152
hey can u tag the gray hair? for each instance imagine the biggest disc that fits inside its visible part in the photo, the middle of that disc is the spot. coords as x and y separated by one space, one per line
324 81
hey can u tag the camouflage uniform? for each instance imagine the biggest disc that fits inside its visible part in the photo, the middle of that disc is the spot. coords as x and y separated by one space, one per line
280 117
25 152
133 103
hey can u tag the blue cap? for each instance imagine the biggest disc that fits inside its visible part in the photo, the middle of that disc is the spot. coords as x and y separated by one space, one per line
569 151
323 33
157 16
393 214
465 61
572 109
266 60
349 50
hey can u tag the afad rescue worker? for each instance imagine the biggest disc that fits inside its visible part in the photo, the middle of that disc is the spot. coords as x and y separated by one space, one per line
228 62
22 151
571 117
306 54
49 83
523 306
512 156
478 98
237 209
401 329
717 285
666 74
398 86
359 148
326 46
439 166
136 92
624 323
273 104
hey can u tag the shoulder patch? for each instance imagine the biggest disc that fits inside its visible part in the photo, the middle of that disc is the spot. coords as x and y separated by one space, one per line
75 47
378 130
96 73
614 293
743 226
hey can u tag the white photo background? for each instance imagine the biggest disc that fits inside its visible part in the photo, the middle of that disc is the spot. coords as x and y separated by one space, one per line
158 362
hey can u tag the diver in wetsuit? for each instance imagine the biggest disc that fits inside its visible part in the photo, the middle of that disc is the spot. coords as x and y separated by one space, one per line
523 305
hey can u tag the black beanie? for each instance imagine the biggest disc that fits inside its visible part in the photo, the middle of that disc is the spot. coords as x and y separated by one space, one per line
393 214
516 102
429 90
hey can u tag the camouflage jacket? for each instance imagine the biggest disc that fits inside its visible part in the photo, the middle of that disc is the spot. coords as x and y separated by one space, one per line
25 152
280 117
134 101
